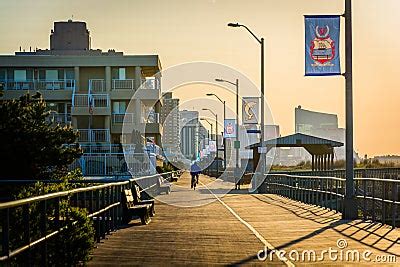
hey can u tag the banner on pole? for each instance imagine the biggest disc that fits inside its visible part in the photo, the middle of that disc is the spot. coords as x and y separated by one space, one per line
250 108
322 45
230 128
212 147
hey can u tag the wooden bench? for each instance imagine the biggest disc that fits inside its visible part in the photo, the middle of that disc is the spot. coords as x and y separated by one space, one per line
162 187
131 207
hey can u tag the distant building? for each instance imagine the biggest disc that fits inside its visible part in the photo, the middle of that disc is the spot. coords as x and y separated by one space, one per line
189 132
388 159
321 125
170 119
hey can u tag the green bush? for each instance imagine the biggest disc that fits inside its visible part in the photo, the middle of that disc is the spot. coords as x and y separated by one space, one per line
68 248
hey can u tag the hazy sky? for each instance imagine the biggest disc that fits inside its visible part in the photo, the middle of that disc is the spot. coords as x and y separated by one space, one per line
188 30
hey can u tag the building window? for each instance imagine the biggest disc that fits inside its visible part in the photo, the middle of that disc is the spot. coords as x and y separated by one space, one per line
119 107
20 75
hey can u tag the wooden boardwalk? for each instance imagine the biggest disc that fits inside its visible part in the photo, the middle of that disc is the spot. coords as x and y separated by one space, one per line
233 228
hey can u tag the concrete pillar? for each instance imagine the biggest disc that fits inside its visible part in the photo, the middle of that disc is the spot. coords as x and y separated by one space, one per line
325 162
312 162
328 162
76 76
108 79
74 122
138 77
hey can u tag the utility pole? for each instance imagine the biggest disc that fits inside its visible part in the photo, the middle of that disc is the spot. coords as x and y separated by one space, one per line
350 203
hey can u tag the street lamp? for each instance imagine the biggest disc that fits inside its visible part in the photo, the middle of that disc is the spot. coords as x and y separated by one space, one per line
261 42
224 140
236 84
216 134
203 119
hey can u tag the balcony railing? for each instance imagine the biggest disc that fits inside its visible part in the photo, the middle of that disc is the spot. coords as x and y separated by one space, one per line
39 84
61 118
94 135
121 117
107 148
98 100
149 84
128 84
152 118
97 85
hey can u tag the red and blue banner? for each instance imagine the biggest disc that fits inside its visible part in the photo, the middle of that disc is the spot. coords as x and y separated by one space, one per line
322 45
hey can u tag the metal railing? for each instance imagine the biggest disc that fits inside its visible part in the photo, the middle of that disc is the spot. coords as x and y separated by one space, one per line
121 117
61 118
149 83
360 173
102 202
97 85
377 198
107 148
151 118
115 164
99 100
127 84
64 84
94 135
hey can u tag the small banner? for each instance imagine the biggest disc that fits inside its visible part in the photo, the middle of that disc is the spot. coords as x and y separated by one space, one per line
322 45
230 128
250 108
212 147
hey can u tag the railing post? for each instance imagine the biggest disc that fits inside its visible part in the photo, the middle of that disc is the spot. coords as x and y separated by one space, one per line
43 230
27 232
6 232
384 188
394 206
373 201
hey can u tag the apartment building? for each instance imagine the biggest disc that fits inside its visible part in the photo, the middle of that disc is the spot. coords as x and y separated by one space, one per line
170 120
90 89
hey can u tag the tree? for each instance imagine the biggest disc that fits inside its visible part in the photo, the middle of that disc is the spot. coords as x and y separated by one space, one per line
30 146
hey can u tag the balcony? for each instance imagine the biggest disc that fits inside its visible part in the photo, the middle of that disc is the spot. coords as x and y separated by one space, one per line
51 85
122 117
128 84
107 148
96 104
59 118
94 135
149 83
97 85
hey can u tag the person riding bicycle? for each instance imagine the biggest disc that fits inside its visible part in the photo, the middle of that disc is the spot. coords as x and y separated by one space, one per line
194 172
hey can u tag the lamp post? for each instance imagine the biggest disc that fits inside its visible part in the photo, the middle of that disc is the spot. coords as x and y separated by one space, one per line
236 84
202 119
224 139
261 42
216 134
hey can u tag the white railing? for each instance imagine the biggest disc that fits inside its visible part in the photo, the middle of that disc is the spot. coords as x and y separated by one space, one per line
152 118
149 83
109 164
94 135
107 148
97 85
61 118
127 84
99 100
122 117
68 84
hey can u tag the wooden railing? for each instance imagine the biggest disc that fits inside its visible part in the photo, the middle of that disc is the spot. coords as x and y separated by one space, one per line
102 202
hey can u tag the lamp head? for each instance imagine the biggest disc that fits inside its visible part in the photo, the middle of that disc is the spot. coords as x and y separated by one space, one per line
233 24
209 94
219 80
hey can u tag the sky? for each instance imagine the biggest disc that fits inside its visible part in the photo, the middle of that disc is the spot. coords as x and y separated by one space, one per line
185 31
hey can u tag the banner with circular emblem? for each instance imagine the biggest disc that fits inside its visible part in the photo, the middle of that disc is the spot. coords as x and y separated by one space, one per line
322 45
